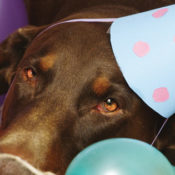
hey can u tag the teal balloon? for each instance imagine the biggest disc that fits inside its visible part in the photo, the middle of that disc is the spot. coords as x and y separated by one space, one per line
120 157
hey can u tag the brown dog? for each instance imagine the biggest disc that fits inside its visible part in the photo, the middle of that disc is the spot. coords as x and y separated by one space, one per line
67 92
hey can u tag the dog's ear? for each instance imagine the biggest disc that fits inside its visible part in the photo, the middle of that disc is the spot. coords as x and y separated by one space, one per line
11 52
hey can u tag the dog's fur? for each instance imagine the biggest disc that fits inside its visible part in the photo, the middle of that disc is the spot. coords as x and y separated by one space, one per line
49 118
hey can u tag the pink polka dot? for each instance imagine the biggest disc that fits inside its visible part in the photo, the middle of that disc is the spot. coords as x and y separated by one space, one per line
159 13
141 48
161 94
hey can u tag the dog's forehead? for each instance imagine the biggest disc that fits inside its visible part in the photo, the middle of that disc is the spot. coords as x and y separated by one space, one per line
80 42
76 52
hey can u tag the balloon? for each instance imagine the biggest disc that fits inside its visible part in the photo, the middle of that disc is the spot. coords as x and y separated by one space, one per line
12 16
120 157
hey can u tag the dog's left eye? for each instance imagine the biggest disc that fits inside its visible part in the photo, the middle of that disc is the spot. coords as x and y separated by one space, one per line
108 106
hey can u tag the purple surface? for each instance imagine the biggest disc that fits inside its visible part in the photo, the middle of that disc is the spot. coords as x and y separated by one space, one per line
2 97
12 16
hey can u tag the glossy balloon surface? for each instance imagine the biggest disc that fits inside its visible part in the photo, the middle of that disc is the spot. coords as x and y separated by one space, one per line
120 157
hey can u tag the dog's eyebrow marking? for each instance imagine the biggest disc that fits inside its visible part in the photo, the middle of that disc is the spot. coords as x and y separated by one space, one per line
47 62
100 85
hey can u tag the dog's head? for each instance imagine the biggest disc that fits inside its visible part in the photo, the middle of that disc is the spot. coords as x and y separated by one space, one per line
67 93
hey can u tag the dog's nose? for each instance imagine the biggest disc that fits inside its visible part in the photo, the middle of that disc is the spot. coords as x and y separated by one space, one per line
10 164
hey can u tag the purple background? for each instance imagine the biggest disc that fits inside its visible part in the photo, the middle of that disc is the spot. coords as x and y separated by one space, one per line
2 97
12 16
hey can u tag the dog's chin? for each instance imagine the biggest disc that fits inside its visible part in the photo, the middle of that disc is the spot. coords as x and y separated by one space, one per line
13 165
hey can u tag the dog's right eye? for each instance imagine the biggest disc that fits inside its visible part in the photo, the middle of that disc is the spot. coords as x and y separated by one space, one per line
29 73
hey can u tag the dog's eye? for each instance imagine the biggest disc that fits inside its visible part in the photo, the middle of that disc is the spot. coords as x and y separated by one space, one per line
29 73
110 105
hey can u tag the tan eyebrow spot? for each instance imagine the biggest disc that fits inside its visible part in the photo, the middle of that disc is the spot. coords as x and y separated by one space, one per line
100 85
47 62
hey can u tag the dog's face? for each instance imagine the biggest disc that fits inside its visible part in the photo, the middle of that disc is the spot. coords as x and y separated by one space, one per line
67 93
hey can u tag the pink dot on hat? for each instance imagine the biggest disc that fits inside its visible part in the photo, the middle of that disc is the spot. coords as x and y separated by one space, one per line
159 13
161 94
141 48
